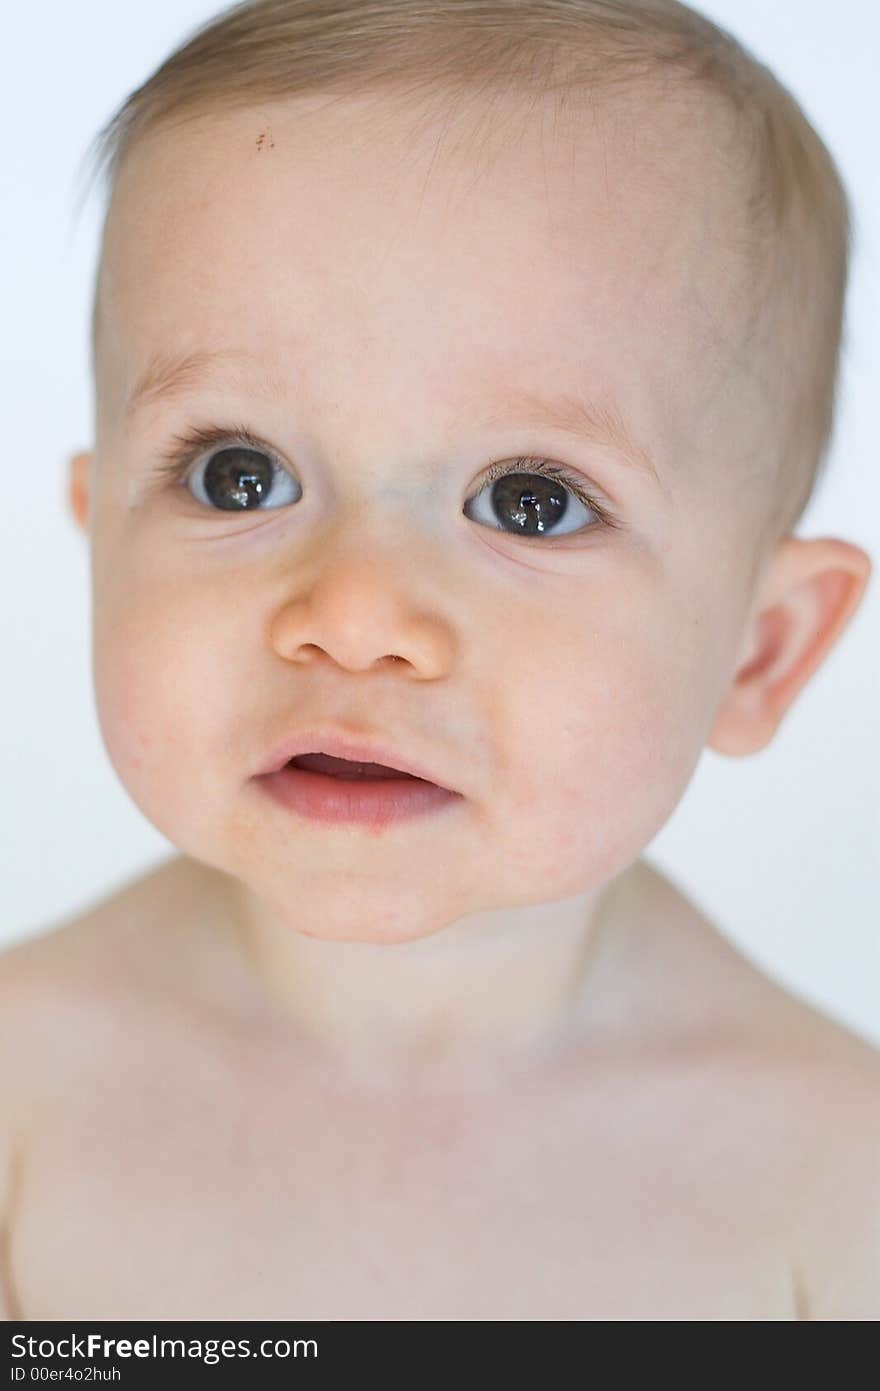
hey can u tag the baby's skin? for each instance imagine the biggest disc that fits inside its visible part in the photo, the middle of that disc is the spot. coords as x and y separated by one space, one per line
486 1064
174 1153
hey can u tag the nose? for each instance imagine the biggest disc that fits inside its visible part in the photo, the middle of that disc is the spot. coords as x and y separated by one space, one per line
360 613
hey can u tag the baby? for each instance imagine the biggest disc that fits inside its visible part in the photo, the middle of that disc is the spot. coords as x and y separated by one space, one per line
453 411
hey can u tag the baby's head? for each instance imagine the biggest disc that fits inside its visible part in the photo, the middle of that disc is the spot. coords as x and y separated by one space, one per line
376 254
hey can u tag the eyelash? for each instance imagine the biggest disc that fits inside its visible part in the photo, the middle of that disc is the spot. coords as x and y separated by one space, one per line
188 447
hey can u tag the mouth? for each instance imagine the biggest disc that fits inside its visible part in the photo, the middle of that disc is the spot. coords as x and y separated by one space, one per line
338 789
325 754
348 769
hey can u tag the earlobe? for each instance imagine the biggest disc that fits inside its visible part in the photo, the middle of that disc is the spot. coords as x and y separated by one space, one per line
809 593
78 488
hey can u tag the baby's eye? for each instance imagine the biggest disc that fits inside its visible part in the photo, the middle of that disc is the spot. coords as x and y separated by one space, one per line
239 478
532 497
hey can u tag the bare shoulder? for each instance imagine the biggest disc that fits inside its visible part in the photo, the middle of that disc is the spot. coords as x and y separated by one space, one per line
713 984
795 1072
87 975
837 1237
66 996
48 981
108 929
139 933
143 961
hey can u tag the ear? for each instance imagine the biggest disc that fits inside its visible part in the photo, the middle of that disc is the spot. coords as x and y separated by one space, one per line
806 597
78 488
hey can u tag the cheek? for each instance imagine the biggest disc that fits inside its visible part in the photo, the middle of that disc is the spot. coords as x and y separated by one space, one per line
602 741
165 689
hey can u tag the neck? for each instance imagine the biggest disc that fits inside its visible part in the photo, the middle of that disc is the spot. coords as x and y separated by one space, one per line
493 990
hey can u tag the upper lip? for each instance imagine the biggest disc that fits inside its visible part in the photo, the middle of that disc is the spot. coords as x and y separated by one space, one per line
341 746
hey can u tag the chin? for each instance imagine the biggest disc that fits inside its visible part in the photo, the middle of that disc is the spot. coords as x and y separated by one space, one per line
364 932
337 916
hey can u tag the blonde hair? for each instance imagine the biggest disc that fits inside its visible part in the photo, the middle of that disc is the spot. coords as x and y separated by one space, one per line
796 207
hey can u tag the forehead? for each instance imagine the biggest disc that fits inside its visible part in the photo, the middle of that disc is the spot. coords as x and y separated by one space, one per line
373 252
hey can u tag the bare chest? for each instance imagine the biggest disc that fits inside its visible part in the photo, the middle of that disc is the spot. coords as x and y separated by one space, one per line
163 1193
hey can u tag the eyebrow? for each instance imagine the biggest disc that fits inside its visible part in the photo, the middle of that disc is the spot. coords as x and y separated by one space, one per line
597 422
169 376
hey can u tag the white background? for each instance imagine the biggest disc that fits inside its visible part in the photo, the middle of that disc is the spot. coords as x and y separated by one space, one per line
782 849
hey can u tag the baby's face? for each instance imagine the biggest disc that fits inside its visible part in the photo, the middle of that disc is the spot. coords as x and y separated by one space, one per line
400 297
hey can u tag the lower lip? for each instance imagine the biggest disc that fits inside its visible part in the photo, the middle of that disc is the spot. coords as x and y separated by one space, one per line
338 801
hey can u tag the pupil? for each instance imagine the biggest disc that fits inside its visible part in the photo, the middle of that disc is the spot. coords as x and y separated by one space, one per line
236 478
532 510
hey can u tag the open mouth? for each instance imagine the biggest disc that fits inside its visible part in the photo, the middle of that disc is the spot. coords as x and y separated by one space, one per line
329 790
347 769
